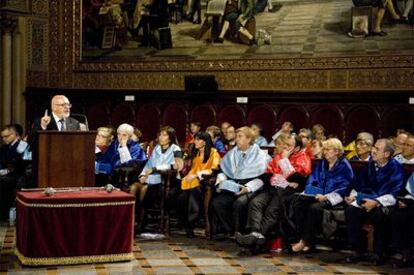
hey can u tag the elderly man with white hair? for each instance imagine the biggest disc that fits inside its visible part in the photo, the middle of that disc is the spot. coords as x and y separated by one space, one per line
123 153
127 152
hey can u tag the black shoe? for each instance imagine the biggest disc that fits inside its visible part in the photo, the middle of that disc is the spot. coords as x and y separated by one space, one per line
356 257
381 33
218 40
401 263
144 45
378 260
248 239
189 233
253 42
220 236
404 20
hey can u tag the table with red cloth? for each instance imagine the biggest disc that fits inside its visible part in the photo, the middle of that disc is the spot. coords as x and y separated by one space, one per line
73 227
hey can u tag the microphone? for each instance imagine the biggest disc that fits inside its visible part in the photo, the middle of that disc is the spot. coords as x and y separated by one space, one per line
85 119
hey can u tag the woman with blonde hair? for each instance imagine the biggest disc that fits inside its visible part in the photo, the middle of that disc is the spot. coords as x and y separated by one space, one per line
104 154
326 187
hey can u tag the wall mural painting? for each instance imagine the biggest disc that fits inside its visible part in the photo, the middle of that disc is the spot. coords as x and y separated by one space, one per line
217 29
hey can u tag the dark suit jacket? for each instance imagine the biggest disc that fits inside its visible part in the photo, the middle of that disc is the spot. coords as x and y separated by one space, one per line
71 125
10 158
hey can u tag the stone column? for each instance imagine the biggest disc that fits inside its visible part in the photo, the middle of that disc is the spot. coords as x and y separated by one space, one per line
17 98
7 26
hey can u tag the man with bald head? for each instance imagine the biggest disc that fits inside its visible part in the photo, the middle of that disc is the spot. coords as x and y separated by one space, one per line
59 118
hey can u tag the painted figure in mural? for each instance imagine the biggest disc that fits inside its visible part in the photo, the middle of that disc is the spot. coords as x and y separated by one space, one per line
237 16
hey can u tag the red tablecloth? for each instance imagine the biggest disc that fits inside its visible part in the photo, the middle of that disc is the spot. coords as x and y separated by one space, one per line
74 227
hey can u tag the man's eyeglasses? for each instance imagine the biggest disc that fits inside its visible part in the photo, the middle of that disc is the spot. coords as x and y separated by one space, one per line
64 105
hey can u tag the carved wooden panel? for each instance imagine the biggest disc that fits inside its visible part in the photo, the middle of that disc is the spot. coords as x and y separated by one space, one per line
206 114
265 116
362 118
176 116
148 120
122 113
344 116
234 114
296 114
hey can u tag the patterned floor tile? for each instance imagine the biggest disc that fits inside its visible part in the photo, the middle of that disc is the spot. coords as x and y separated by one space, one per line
199 253
208 261
254 261
263 269
175 270
165 262
159 254
218 270
179 255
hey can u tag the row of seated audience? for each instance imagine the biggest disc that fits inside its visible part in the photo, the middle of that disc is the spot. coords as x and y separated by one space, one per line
256 197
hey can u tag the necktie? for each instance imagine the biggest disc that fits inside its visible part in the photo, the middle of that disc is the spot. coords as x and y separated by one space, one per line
62 125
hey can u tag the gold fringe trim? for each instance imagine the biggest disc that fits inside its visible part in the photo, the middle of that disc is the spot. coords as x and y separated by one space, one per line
77 205
74 260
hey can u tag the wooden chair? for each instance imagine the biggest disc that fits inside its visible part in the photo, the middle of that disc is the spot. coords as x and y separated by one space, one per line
207 183
162 212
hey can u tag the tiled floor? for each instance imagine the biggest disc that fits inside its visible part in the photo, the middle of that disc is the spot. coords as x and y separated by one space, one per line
179 255
300 28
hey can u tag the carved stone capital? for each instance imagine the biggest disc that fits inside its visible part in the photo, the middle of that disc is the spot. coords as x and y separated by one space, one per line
8 23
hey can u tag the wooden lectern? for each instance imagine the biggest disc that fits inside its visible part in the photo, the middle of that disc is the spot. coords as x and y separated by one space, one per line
65 159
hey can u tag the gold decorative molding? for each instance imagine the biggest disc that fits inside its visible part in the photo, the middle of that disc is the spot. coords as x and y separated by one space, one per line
37 79
323 73
382 79
320 63
38 44
40 8
8 23
16 6
54 47
276 80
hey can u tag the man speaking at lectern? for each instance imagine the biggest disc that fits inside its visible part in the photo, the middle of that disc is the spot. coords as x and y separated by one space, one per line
59 119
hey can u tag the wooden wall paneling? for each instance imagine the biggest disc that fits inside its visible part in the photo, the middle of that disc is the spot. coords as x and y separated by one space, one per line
331 117
362 118
206 114
234 114
397 118
148 120
343 114
296 114
122 113
176 116
98 115
265 116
